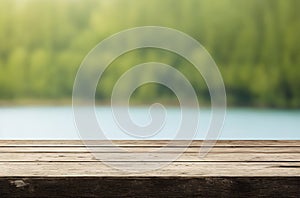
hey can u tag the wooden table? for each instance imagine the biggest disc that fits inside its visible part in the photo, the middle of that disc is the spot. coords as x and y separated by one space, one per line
231 169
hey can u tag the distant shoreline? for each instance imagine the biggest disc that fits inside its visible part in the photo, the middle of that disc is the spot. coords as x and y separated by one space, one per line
36 102
68 102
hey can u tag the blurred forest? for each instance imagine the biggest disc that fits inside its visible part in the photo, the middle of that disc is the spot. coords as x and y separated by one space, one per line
255 44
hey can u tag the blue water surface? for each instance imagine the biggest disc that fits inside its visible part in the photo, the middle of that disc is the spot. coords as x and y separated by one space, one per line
58 123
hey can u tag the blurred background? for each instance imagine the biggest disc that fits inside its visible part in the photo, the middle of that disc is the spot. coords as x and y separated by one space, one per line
255 44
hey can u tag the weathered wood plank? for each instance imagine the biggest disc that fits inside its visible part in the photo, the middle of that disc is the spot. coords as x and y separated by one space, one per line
183 169
150 187
231 169
88 157
151 143
147 149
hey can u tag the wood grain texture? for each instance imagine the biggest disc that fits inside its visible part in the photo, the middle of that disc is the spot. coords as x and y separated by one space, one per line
68 169
82 149
186 157
150 187
182 169
135 143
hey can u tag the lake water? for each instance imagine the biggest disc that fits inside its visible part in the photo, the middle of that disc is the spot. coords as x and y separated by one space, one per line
58 123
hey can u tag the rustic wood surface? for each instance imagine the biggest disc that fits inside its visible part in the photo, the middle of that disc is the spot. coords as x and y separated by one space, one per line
230 169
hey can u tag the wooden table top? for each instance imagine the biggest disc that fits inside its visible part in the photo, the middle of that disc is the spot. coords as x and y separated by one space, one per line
28 161
226 158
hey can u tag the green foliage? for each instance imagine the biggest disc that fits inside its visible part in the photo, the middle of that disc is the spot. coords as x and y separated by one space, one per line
255 44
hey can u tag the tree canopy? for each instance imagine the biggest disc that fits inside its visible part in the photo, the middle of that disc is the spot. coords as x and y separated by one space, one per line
255 44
